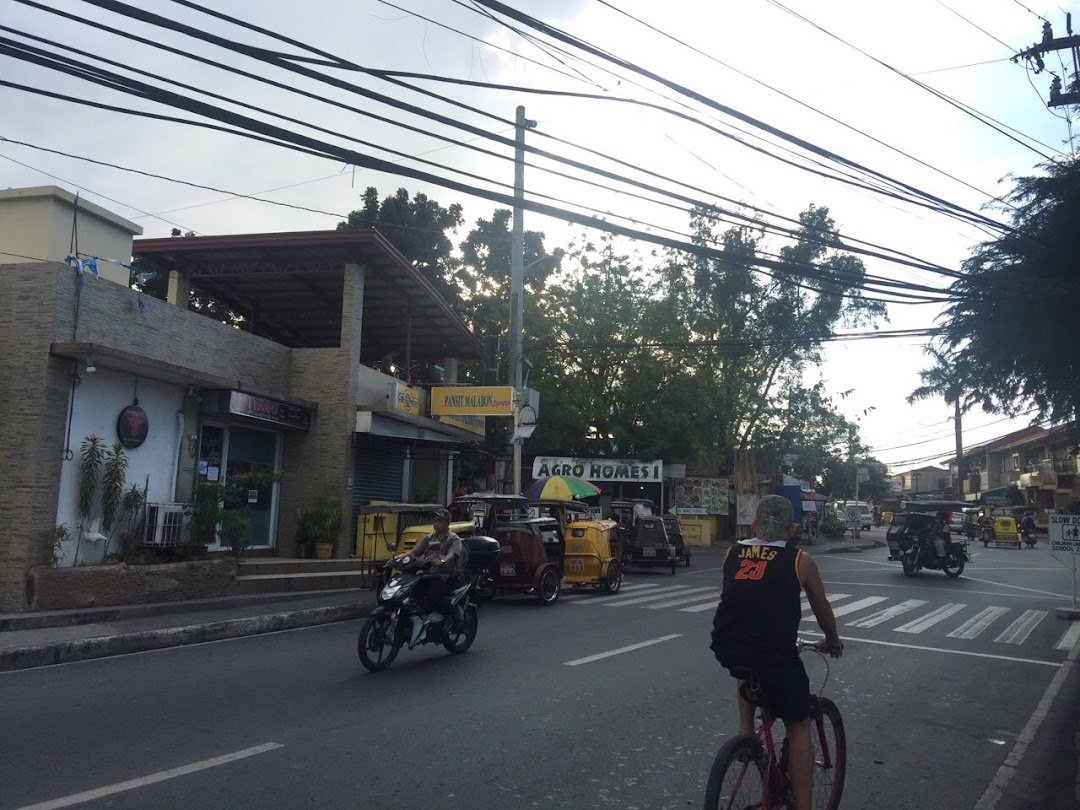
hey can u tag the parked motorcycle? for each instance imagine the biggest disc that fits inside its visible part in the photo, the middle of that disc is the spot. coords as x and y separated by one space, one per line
400 620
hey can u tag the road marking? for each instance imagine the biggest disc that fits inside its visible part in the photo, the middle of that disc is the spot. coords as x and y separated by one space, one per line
996 789
1019 630
977 623
698 608
1018 587
930 619
621 650
874 619
851 607
573 597
833 597
661 593
714 596
1068 640
942 650
637 586
160 776
908 585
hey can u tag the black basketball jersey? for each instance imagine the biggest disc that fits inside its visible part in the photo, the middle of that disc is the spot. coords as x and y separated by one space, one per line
757 620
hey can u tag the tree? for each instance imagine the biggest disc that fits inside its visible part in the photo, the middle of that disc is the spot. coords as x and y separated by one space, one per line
945 380
1010 331
417 228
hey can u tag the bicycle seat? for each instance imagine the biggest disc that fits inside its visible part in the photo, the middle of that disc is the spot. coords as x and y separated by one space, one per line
750 689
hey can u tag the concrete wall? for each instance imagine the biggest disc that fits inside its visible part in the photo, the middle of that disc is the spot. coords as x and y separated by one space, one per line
37 223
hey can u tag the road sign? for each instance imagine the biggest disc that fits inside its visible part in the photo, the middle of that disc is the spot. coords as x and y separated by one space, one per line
852 516
1064 532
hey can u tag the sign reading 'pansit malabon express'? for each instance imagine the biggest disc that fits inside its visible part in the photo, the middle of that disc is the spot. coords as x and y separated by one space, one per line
493 400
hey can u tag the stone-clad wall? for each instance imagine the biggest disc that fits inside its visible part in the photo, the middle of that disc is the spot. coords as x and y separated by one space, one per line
100 585
37 308
33 407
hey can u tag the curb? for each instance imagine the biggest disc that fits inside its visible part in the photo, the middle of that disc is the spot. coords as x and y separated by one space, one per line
64 652
95 615
855 548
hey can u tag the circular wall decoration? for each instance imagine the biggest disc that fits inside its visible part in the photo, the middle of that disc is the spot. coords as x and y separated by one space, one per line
132 426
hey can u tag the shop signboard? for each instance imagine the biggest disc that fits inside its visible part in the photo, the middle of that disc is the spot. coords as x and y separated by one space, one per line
492 400
269 410
600 469
701 496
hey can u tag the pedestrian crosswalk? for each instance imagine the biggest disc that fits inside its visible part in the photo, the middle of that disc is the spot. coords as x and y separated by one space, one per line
957 620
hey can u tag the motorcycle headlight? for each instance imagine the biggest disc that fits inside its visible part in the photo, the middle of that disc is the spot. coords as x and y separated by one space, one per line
391 588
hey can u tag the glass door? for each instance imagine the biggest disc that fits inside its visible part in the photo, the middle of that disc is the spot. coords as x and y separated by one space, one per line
226 451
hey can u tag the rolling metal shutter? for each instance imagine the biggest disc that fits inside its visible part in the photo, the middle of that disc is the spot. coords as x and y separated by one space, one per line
379 469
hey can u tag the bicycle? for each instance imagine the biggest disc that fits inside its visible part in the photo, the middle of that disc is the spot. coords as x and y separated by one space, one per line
747 774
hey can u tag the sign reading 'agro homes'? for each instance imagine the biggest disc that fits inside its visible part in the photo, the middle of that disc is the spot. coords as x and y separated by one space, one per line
472 401
599 469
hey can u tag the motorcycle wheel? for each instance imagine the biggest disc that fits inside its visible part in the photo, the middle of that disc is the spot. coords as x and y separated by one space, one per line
986 544
908 562
376 649
613 580
459 640
952 567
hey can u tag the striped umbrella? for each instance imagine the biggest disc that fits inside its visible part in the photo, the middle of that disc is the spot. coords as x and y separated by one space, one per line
561 487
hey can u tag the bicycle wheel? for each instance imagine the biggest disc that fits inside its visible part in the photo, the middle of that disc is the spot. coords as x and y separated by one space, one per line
830 755
735 779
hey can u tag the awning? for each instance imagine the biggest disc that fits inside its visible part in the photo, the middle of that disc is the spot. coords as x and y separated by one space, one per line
396 424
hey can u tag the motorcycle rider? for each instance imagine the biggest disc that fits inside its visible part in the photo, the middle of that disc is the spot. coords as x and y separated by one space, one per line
941 534
1027 526
443 548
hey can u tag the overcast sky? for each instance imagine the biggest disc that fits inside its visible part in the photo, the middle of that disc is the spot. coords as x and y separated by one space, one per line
751 56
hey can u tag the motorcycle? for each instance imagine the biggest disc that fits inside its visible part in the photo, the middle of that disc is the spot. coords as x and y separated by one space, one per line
922 554
1028 536
400 620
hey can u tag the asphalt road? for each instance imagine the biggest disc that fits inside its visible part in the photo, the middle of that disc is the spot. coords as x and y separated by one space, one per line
942 682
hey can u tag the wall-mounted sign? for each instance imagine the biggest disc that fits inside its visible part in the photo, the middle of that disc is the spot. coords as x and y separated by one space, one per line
472 401
132 426
473 424
269 410
701 496
599 469
404 398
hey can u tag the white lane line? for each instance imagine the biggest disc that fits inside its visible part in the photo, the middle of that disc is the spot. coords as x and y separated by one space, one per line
874 619
979 622
851 607
620 651
592 594
710 605
160 776
652 596
931 618
1019 630
833 597
637 586
996 789
941 650
1018 587
1067 641
714 596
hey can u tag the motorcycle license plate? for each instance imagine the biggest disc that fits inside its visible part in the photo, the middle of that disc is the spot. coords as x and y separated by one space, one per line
894 546
507 569
648 552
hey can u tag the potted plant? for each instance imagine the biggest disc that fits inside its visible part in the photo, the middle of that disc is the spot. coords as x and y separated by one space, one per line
318 527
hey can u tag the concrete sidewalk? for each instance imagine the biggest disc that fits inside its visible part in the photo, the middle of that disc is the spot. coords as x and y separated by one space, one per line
40 639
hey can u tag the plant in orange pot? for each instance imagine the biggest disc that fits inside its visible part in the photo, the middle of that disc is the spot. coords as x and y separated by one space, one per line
318 528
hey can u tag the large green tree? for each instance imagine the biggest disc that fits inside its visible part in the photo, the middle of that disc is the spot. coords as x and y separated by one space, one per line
1010 333
417 226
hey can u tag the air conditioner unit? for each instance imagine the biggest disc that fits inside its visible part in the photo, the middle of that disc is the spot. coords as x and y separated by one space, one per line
165 523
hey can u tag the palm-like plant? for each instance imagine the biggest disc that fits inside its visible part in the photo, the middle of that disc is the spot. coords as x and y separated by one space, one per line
946 380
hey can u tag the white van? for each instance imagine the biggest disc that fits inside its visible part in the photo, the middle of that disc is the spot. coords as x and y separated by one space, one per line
866 515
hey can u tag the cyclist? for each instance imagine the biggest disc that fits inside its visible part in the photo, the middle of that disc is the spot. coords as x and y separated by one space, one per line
756 625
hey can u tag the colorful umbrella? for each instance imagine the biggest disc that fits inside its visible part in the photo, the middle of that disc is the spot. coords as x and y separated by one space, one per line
562 487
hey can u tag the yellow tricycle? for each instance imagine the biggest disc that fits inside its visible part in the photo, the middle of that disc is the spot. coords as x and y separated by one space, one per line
589 557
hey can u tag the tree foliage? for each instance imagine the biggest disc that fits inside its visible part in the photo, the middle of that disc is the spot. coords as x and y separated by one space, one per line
1010 333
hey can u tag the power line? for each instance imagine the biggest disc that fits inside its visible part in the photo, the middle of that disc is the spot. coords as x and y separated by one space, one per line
933 268
981 117
976 26
960 67
796 100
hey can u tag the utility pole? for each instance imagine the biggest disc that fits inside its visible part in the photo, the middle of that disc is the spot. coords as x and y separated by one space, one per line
517 280
1064 90
958 492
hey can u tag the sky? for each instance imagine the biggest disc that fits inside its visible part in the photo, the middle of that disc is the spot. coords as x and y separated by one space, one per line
756 60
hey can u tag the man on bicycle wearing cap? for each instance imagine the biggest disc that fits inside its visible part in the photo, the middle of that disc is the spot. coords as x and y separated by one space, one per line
756 625
443 548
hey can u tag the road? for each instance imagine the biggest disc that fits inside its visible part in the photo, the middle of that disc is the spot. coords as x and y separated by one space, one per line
942 680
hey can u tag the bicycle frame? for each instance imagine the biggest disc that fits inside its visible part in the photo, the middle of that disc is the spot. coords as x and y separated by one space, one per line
774 776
